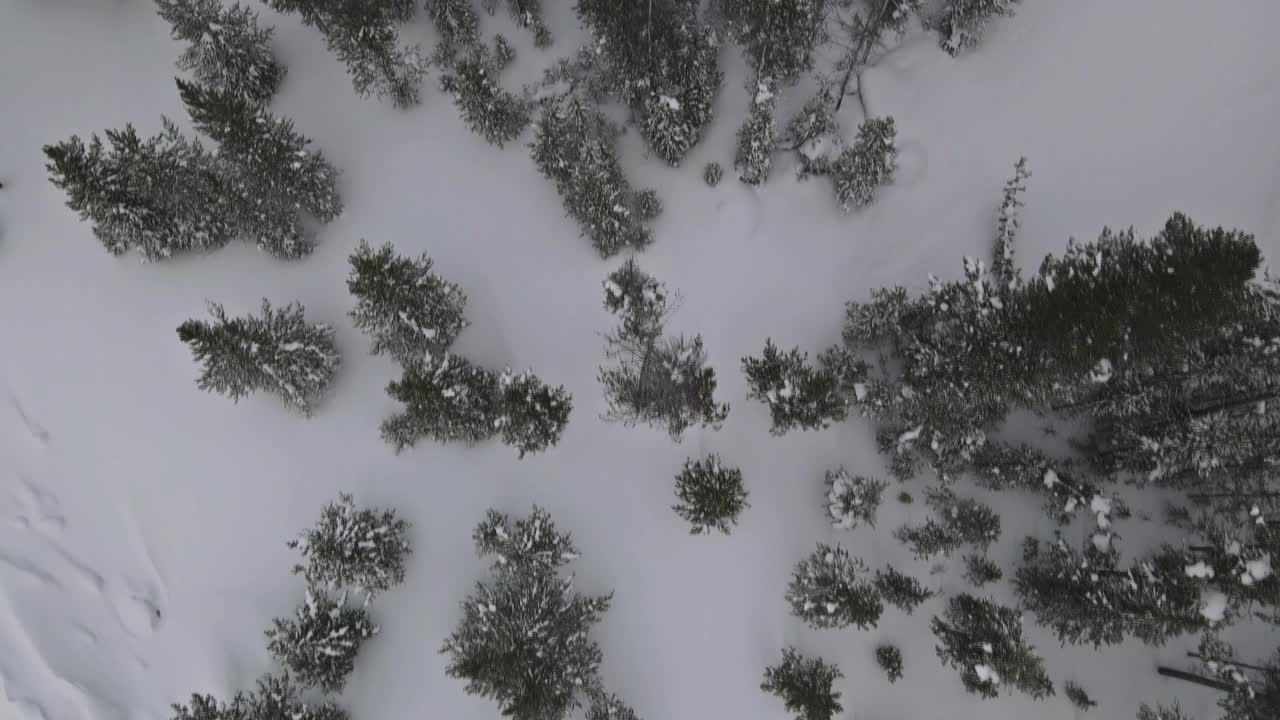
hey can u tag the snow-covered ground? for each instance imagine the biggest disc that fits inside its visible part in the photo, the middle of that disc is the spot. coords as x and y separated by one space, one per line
143 522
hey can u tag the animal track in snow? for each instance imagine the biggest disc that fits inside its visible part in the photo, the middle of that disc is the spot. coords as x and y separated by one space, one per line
35 430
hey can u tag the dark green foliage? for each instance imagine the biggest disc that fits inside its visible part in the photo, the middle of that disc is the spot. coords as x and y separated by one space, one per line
663 382
1255 687
979 570
363 548
1162 712
1002 256
446 399
409 311
527 14
156 196
527 544
779 35
458 26
227 50
660 60
889 658
1078 696
524 639
799 396
814 133
712 173
866 164
276 698
984 642
826 592
963 22
957 521
805 686
902 591
277 352
756 139
967 352
852 499
574 146
711 495
321 644
449 400
362 33
490 111
531 415
905 498
1066 489
272 176
1088 599
648 206
503 53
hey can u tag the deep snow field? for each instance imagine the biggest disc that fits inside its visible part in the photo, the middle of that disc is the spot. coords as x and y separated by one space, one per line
143 522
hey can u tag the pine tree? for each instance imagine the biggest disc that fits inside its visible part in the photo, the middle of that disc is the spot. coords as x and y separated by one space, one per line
446 399
1002 260
276 698
226 48
756 140
1089 599
489 110
663 382
458 26
852 499
524 545
606 706
779 36
504 54
528 14
1066 489
979 570
867 164
958 521
826 592
647 205
902 591
805 685
531 415
359 548
574 146
271 173
408 310
1255 688
156 196
277 352
661 61
799 396
984 641
524 637
963 22
814 133
1161 712
362 33
712 173
1078 696
889 658
321 644
711 495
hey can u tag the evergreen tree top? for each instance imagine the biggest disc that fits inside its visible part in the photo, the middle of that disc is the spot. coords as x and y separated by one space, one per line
528 543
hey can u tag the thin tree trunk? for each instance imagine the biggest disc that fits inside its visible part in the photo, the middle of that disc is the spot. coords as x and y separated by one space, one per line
1197 679
1237 663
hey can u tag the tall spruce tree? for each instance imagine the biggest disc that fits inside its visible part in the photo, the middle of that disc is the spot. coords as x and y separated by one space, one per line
157 197
852 499
866 164
320 643
490 111
1254 688
275 698
1088 599
826 591
902 591
363 34
277 352
957 521
226 48
574 146
457 25
779 36
804 685
527 14
756 139
798 395
271 174
963 22
409 311
661 381
531 415
984 641
711 495
661 61
359 548
524 639
446 399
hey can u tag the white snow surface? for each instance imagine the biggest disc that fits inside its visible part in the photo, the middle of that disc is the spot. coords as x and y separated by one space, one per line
143 522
